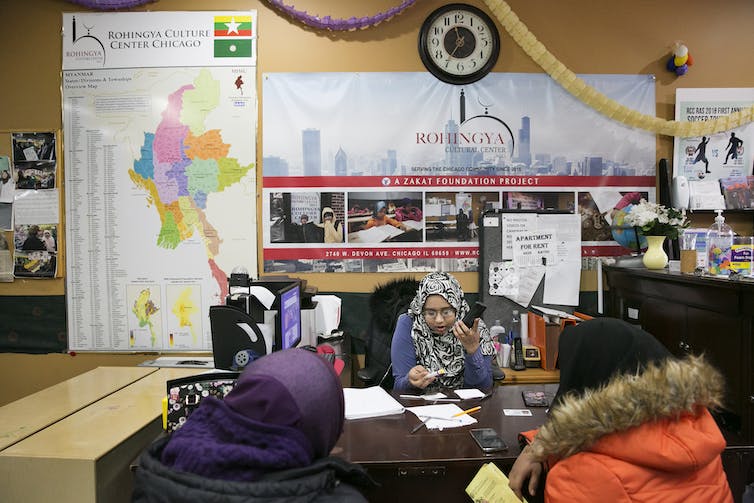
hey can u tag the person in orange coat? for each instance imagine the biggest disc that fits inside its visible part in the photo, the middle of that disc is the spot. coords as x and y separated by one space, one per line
629 423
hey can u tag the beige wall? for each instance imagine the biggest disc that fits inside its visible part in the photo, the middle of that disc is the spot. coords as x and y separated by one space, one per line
617 36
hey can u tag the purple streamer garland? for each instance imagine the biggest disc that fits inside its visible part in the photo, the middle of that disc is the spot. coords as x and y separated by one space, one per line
328 23
110 4
322 23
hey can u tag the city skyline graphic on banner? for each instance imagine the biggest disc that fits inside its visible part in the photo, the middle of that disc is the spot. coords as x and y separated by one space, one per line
494 127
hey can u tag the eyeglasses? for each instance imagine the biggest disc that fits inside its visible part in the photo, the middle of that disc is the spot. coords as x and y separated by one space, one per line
446 313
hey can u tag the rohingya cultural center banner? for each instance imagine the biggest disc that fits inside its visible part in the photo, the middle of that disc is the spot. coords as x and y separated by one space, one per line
159 116
367 172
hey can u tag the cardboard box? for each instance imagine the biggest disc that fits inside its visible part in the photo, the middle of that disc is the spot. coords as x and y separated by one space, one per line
546 336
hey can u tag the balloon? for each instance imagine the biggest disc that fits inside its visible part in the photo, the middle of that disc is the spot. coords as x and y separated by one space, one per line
681 70
680 60
690 61
680 50
670 64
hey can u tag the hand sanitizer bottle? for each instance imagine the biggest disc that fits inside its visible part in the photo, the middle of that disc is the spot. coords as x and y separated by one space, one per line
718 246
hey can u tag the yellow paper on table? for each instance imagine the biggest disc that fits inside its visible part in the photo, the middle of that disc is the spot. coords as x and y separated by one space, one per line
490 485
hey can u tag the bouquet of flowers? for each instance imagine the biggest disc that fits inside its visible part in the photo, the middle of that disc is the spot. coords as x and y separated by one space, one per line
656 220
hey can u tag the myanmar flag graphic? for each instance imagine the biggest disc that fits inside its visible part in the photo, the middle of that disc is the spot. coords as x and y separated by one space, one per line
230 37
232 26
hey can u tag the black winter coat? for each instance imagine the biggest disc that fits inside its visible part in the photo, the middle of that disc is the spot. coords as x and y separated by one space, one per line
325 480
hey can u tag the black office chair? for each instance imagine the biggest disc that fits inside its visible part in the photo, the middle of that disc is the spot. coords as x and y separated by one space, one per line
386 303
738 463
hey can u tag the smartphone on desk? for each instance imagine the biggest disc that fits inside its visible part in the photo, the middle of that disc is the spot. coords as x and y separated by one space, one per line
488 440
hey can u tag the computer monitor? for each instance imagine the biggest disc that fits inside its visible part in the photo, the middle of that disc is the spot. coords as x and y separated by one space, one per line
287 303
288 329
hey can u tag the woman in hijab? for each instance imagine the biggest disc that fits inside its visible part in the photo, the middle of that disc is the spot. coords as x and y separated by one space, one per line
629 423
432 346
269 438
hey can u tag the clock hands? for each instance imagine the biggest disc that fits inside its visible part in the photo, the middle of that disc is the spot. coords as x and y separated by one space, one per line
459 43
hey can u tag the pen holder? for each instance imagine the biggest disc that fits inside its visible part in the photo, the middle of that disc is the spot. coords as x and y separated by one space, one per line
504 355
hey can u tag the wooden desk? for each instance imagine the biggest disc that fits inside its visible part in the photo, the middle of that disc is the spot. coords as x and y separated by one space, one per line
86 456
432 465
530 376
33 413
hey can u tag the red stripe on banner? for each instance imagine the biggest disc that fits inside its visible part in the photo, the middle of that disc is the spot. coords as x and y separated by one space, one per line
580 182
373 253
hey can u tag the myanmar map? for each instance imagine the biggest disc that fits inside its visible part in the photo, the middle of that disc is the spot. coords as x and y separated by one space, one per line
162 185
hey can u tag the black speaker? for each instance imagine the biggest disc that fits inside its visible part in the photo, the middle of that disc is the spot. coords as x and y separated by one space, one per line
673 249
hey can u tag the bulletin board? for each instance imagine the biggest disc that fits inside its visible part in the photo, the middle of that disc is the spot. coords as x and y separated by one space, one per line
492 241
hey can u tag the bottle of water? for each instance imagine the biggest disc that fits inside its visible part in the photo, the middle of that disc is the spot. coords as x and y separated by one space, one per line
515 326
718 246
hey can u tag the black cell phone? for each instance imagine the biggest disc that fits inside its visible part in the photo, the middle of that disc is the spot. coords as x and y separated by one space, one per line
476 312
488 440
518 355
535 399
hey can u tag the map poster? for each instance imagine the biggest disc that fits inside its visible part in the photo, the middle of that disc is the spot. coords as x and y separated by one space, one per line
159 115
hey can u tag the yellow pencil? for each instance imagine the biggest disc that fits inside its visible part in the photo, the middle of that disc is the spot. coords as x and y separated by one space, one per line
467 411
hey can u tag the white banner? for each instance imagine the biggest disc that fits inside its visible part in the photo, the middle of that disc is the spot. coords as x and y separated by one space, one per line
433 157
159 39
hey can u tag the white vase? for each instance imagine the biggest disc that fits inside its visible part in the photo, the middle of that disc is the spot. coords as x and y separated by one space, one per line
655 256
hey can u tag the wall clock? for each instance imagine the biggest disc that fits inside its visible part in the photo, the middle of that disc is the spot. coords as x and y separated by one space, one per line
459 43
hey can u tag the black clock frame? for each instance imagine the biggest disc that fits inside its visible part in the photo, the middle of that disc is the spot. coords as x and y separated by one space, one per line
439 72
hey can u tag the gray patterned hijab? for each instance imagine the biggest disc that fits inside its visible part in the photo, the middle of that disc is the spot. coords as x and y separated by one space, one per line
443 351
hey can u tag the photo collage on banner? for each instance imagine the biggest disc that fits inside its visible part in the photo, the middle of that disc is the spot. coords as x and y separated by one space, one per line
391 172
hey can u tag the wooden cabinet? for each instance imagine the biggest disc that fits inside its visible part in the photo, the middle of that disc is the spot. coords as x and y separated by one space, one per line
691 314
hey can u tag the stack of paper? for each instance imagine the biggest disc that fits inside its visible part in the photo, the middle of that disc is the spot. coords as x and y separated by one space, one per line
439 417
370 402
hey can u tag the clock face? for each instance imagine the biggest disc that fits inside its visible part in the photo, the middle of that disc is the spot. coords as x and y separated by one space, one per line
459 43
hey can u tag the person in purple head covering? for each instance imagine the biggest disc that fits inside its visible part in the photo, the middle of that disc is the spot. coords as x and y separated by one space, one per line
269 438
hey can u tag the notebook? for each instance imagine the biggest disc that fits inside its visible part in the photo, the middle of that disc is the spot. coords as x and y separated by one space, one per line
370 402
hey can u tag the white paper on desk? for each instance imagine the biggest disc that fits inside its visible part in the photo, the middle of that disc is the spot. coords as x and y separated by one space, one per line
370 402
444 411
469 393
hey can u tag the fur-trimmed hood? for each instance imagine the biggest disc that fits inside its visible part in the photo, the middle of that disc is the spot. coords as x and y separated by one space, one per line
391 299
663 391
